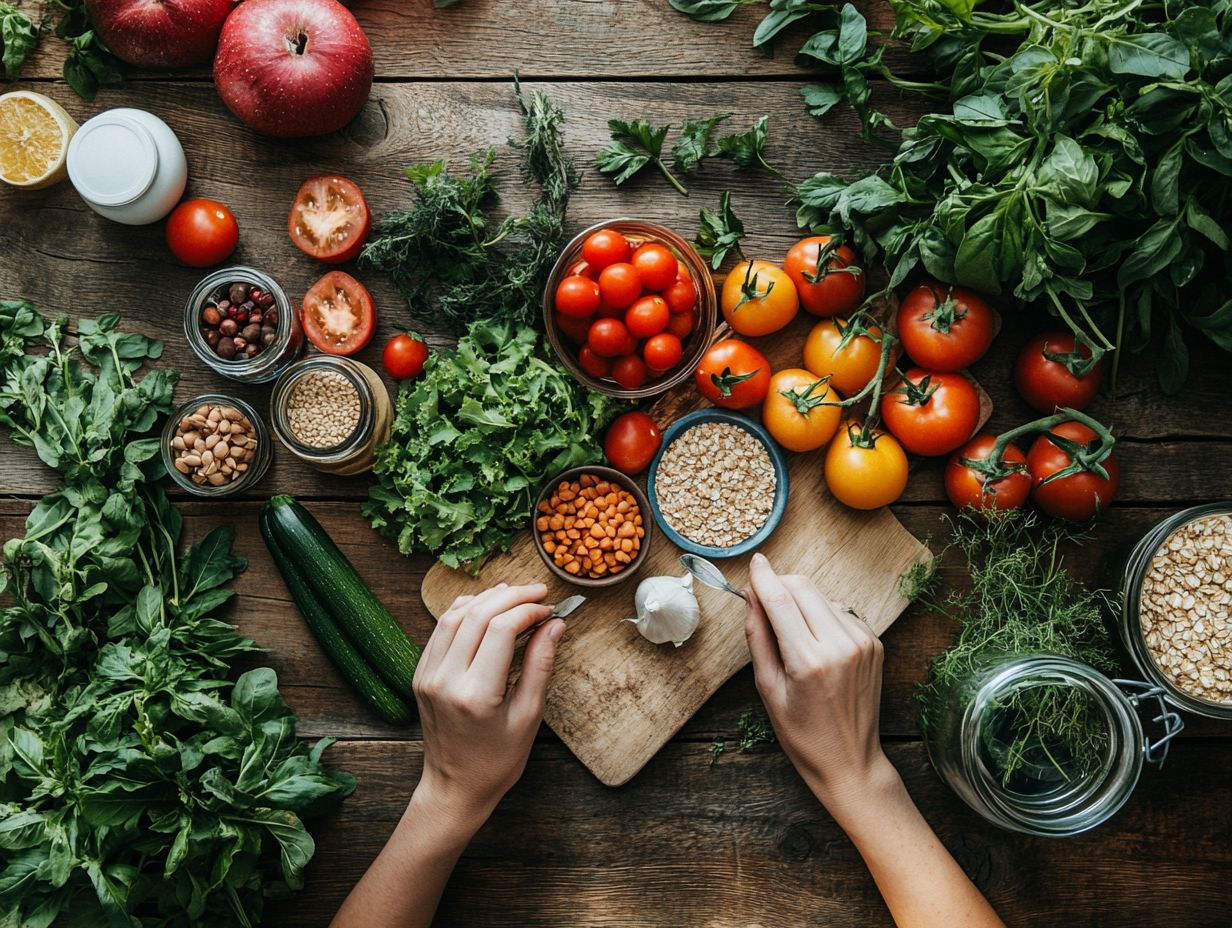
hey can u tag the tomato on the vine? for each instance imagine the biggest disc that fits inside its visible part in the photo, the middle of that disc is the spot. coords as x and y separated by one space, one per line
838 288
605 247
662 352
865 472
404 357
796 411
656 265
968 487
850 367
945 328
733 374
577 296
202 233
619 285
1054 371
609 338
931 413
631 442
758 298
1079 496
630 371
647 317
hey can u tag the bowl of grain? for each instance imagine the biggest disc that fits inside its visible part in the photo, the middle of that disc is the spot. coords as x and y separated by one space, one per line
591 526
1176 608
718 485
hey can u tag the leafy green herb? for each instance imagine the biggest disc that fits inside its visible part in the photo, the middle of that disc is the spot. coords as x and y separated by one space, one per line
696 142
717 749
448 258
748 149
635 145
1021 601
720 233
19 37
138 785
753 731
782 14
89 65
709 11
474 440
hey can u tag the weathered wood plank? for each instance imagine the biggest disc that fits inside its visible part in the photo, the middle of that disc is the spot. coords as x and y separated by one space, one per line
744 844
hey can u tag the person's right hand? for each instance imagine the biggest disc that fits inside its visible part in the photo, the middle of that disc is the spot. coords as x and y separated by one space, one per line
818 670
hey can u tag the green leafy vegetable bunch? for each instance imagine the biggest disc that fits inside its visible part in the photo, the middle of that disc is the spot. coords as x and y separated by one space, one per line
474 440
19 36
139 785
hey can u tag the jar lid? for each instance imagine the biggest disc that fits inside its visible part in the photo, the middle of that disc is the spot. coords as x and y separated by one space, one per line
112 159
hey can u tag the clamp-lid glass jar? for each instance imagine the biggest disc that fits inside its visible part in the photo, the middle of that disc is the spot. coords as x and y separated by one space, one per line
1036 784
216 445
235 309
332 413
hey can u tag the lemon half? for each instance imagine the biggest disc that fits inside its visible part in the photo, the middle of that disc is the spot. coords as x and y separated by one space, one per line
34 136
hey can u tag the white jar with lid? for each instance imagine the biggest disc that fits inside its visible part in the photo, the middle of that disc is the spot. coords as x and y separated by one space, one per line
128 166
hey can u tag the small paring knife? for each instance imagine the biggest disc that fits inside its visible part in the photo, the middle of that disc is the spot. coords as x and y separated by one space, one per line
564 608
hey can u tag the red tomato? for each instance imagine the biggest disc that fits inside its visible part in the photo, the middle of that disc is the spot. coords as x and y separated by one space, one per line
582 269
329 219
936 417
338 315
630 372
619 285
404 357
656 266
682 271
662 352
945 328
681 324
631 442
607 246
733 374
647 317
970 488
681 296
202 233
1079 496
835 290
573 329
608 338
1043 374
577 296
592 364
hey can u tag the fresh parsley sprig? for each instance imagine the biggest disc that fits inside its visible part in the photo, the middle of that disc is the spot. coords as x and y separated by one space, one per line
720 233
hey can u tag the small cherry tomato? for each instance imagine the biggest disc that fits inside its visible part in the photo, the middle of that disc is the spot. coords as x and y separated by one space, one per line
647 317
605 247
656 265
1079 496
577 296
631 442
329 219
202 233
849 367
582 269
683 272
933 414
1053 371
794 411
945 328
681 324
733 374
576 330
608 338
404 357
967 487
619 285
662 352
835 290
865 472
758 298
681 296
630 372
593 364
338 314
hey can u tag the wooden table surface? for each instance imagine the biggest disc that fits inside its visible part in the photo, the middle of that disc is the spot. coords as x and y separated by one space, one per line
685 844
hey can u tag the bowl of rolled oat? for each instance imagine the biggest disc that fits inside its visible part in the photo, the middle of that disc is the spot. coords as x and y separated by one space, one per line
1176 608
718 485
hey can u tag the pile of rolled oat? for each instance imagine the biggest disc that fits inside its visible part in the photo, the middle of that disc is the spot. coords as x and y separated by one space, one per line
1186 608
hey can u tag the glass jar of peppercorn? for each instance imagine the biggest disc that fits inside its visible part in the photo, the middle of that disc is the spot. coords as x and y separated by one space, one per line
239 322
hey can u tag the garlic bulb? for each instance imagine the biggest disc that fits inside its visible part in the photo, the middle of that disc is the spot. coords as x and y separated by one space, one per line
667 610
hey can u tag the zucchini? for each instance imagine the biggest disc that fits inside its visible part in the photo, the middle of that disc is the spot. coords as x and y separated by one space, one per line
330 577
350 663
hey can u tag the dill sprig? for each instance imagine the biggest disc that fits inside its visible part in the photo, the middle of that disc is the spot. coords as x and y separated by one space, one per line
1021 601
449 259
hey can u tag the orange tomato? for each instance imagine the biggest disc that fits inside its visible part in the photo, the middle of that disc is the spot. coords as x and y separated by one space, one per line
865 476
794 412
758 298
849 367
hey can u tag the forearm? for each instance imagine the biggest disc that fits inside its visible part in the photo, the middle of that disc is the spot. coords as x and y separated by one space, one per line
403 886
922 884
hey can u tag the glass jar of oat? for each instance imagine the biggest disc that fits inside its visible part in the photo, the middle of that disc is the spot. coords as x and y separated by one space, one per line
332 413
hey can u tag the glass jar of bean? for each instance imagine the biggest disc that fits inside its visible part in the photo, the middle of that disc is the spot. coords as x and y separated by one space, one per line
216 445
332 413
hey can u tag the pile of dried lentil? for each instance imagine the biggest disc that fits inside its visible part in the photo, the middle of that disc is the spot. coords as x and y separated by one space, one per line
323 409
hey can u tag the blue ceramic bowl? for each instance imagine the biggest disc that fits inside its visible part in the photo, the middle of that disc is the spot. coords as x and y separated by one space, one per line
780 490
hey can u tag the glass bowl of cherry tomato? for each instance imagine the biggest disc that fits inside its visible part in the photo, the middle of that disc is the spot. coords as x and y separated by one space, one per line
630 308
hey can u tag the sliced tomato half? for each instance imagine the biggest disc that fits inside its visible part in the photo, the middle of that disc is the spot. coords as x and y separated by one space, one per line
329 219
338 315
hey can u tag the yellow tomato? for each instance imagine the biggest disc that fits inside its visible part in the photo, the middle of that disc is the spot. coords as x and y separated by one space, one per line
849 367
793 412
865 476
759 298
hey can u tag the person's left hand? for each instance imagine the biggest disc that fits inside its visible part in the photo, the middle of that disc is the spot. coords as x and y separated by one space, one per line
478 730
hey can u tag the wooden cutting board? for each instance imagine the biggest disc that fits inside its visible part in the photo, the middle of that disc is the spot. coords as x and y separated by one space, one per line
615 698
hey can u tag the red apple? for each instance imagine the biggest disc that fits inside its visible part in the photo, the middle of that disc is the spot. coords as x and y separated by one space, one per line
160 33
293 67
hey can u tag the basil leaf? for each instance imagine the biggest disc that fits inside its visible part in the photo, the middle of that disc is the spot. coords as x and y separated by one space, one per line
707 11
18 36
1172 362
821 98
1152 54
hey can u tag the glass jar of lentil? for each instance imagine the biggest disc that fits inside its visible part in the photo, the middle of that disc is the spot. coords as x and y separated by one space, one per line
216 445
246 294
332 413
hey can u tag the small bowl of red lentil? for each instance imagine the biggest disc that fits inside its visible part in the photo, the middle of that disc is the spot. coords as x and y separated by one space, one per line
592 526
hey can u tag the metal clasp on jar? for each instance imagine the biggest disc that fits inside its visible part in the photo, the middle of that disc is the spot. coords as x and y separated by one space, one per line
1139 694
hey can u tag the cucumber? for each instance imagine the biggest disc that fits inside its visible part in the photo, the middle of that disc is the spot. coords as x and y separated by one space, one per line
328 575
350 663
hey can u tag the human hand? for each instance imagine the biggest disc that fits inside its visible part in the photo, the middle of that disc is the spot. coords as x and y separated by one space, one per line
478 729
818 670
